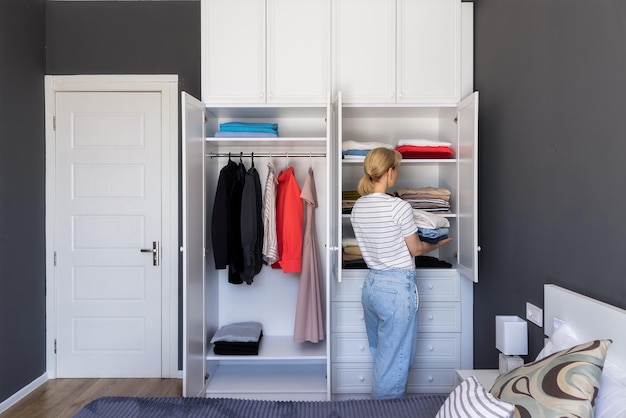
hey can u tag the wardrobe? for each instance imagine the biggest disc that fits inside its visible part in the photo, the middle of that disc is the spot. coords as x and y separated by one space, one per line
305 66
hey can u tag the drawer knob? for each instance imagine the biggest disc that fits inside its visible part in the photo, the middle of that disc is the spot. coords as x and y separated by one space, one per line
431 348
362 348
430 317
361 379
362 318
430 379
431 287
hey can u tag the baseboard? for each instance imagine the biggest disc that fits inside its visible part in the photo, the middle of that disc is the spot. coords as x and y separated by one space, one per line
19 395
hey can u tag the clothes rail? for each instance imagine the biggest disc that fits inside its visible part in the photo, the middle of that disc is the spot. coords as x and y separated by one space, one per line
266 154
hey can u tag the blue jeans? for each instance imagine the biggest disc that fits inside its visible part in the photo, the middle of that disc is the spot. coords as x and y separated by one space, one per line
390 304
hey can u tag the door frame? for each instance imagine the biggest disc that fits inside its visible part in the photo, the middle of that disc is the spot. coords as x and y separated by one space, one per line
167 86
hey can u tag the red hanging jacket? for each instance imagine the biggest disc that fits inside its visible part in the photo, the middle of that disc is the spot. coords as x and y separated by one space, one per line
288 222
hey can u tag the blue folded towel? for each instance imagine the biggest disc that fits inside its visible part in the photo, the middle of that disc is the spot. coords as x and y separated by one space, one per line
246 134
252 124
248 127
363 152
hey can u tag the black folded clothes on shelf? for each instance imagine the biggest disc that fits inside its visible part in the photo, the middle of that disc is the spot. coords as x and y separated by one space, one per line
421 261
240 338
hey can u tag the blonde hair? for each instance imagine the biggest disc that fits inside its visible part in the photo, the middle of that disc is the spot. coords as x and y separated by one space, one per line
376 164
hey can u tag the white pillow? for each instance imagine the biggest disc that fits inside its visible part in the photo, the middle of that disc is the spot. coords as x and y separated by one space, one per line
611 400
562 338
470 400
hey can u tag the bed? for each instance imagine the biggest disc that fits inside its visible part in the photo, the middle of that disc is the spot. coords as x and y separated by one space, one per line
580 372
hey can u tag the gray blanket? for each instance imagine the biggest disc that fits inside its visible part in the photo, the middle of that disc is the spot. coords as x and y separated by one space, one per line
415 406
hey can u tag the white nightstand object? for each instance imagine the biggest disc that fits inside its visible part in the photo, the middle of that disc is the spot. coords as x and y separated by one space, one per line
486 377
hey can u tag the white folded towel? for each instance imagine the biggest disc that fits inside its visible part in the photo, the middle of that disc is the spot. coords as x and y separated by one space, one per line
349 144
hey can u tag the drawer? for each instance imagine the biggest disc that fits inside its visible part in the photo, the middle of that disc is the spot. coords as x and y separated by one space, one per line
350 287
352 378
358 378
432 317
439 286
439 317
432 285
431 381
347 317
350 347
436 350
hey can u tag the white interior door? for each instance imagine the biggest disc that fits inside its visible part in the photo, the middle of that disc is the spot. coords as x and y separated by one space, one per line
107 212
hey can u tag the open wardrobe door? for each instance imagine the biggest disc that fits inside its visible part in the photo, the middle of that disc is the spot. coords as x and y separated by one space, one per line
468 247
194 331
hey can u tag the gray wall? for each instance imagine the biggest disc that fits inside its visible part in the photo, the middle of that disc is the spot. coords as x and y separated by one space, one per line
125 37
552 144
22 208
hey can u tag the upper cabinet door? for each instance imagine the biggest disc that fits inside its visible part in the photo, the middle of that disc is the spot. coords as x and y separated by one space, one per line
364 57
298 51
468 248
428 56
233 51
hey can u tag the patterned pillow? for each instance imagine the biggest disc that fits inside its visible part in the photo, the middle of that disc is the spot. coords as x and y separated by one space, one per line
563 384
470 400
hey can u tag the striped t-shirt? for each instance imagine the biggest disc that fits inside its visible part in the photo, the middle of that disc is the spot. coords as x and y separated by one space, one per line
380 223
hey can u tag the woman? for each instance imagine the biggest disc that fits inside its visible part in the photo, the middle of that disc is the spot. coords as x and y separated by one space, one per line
387 236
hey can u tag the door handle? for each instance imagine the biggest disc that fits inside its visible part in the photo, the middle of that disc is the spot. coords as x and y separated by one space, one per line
155 252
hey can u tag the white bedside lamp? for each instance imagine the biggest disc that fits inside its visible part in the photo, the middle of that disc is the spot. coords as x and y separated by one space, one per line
511 341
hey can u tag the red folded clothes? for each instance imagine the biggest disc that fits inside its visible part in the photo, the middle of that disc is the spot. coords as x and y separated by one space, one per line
414 152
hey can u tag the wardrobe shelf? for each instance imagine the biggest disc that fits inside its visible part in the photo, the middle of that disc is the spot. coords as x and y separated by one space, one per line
445 215
264 143
251 381
411 161
278 347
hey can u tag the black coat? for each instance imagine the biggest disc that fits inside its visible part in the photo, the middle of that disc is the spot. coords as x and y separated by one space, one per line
220 219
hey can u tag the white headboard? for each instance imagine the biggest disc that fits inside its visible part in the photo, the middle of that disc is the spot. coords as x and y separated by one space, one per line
590 318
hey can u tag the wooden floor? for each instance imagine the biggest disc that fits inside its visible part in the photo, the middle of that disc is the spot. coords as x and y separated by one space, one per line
63 398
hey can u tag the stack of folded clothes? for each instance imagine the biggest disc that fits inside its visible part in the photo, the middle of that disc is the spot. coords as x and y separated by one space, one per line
348 199
431 227
357 150
240 338
424 148
351 257
247 130
429 199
